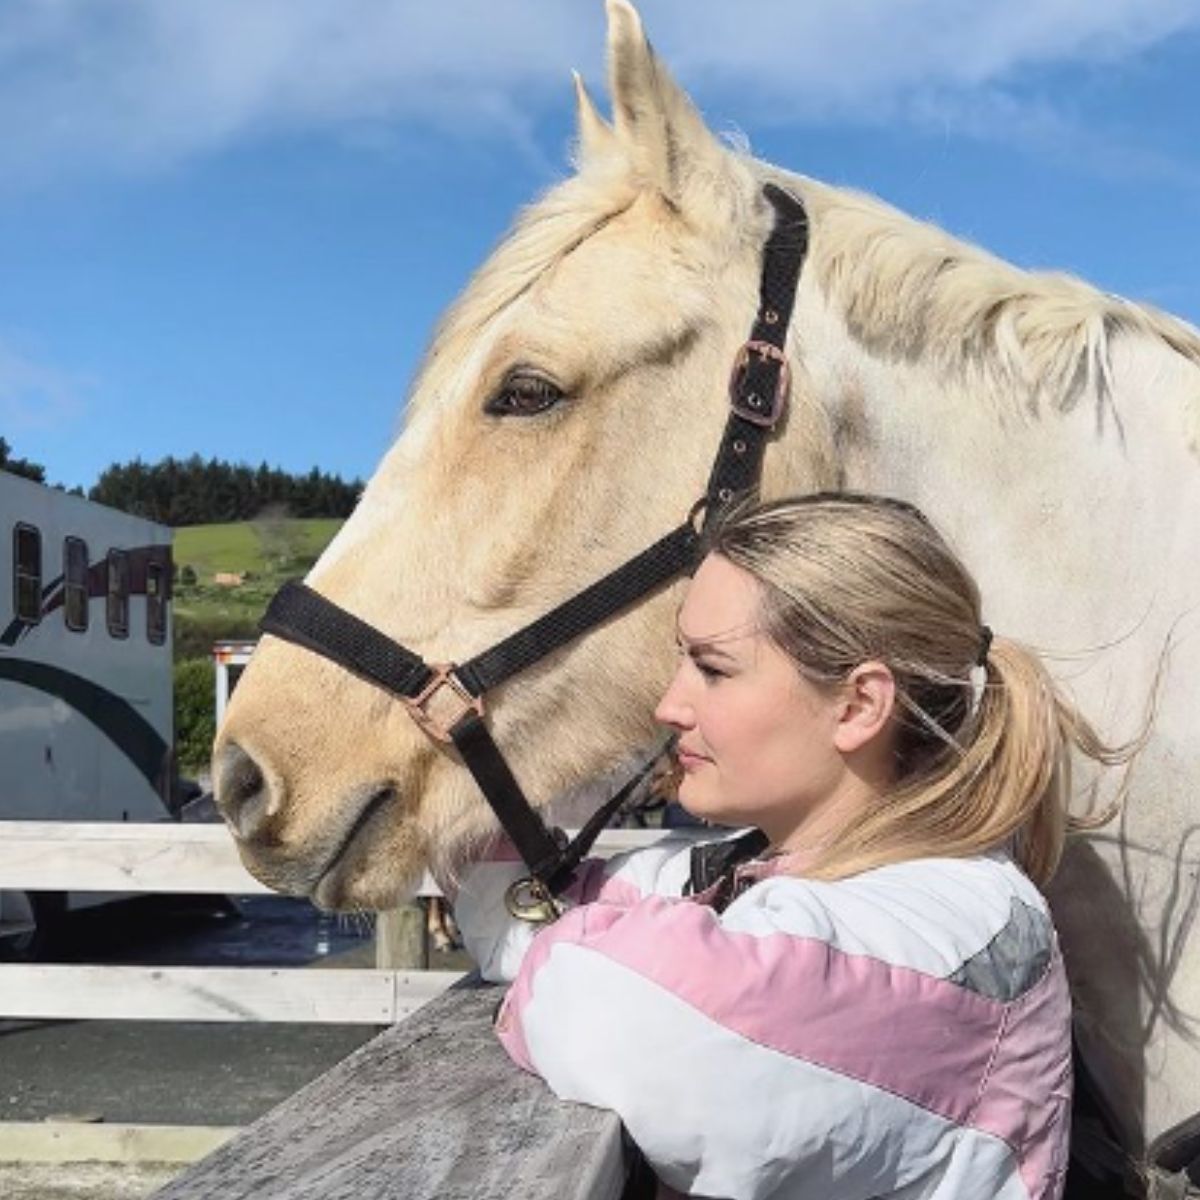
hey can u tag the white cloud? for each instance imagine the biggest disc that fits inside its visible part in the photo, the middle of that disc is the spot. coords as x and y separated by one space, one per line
991 114
93 83
35 395
87 84
854 53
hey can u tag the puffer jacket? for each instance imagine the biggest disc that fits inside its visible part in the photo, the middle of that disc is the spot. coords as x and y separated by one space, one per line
903 1033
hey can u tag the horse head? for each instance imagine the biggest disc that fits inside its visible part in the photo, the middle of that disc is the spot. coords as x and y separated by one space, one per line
565 417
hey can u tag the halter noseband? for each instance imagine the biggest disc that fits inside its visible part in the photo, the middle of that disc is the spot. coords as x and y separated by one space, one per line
447 700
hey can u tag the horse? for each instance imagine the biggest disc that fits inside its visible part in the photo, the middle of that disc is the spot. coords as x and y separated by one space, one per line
566 415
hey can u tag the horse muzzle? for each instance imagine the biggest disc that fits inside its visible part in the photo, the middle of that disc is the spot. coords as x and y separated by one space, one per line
254 804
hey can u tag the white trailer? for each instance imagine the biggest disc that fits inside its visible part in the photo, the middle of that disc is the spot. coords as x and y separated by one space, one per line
86 720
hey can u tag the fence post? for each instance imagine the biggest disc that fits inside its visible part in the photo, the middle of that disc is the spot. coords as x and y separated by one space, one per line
401 939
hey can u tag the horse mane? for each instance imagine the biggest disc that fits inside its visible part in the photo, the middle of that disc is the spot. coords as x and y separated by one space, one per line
909 290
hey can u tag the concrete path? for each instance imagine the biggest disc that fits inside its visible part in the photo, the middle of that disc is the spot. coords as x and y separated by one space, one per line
158 1072
164 1073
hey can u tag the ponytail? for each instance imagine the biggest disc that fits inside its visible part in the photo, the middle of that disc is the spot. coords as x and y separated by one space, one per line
1003 781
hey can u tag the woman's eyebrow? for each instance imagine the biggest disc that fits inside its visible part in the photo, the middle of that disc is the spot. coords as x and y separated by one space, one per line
711 643
700 646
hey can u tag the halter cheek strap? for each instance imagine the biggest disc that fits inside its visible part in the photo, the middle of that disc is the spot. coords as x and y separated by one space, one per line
447 700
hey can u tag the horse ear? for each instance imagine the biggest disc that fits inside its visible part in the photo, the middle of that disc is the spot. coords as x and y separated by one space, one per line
665 139
596 138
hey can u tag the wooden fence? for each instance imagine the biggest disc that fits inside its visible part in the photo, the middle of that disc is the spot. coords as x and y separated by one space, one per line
200 859
424 1100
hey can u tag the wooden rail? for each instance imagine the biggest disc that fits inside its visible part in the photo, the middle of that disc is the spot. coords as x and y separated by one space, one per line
352 996
105 856
168 858
431 1109
202 859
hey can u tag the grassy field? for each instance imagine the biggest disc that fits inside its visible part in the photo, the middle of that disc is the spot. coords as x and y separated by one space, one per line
265 552
261 548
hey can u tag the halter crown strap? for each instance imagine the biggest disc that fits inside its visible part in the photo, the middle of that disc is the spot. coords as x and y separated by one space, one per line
760 383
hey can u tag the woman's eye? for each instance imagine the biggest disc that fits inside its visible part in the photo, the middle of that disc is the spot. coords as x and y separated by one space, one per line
710 672
524 396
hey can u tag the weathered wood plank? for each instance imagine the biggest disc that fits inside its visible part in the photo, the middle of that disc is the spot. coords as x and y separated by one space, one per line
164 857
111 857
432 1109
343 997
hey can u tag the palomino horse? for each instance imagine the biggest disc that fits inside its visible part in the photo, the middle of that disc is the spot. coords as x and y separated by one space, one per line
567 416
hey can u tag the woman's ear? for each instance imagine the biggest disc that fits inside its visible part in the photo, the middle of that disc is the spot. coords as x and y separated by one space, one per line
868 699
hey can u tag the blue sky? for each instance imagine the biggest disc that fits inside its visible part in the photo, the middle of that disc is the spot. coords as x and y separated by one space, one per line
228 226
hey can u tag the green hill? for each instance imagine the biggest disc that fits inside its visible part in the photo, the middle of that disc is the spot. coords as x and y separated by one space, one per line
262 553
259 546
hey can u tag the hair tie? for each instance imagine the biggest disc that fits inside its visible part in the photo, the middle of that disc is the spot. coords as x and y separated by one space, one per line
985 644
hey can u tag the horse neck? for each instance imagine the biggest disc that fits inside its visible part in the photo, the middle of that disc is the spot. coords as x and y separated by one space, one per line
1069 517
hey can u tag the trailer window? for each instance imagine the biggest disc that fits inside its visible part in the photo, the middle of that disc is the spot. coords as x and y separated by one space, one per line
118 593
27 574
156 604
75 583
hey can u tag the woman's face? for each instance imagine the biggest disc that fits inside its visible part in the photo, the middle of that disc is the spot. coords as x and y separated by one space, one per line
758 743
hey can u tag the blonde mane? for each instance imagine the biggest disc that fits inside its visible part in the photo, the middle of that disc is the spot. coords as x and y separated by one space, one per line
909 290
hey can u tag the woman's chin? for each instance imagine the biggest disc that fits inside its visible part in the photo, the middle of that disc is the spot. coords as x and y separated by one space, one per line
696 803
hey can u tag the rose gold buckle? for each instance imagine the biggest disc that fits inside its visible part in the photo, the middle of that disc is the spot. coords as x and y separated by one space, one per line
755 408
438 726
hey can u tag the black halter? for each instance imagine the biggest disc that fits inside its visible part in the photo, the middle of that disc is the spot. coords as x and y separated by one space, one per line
446 699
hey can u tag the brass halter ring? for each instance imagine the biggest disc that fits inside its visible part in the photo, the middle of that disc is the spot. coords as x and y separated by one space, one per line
529 899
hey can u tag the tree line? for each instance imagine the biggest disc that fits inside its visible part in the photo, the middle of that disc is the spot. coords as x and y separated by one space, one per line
20 466
199 491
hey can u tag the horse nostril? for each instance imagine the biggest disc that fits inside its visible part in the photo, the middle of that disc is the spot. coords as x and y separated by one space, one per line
242 793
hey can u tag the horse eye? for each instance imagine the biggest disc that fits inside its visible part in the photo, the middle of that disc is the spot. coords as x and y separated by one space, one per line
523 395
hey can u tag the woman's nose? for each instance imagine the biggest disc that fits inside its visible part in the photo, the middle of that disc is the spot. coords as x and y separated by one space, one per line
673 709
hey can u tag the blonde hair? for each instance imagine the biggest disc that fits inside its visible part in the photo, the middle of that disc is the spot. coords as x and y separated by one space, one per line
984 738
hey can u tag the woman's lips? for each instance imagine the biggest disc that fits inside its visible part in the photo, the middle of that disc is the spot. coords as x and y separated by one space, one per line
689 760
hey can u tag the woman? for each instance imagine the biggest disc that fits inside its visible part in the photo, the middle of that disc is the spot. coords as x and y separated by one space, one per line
863 996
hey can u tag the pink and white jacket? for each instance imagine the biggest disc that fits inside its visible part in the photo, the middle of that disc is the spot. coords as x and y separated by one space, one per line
903 1033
